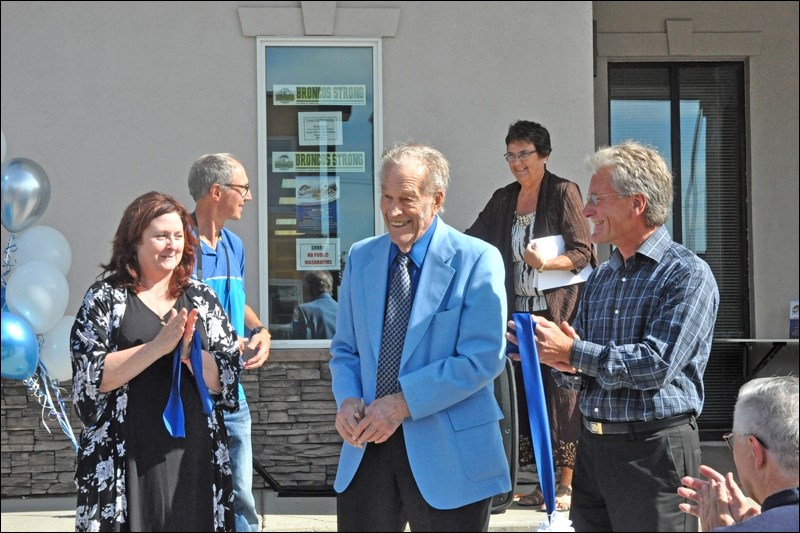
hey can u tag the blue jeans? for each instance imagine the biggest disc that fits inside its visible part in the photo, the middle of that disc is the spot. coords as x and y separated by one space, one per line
241 453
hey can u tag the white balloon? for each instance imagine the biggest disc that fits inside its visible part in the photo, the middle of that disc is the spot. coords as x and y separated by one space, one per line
55 353
38 292
43 243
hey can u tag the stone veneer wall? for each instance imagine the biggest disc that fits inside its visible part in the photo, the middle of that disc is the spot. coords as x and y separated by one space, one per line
291 405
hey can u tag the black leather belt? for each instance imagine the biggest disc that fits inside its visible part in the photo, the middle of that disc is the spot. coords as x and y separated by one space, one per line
624 428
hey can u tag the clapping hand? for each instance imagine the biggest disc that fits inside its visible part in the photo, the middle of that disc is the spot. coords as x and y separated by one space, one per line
175 330
188 333
718 500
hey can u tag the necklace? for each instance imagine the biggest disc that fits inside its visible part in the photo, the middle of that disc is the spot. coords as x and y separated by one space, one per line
159 306
163 319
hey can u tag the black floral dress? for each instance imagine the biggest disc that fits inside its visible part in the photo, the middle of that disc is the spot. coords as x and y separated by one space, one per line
131 474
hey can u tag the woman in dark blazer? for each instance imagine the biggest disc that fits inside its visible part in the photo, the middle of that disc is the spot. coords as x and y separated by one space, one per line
539 204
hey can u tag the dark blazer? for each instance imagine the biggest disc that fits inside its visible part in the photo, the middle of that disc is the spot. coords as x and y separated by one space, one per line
779 512
558 212
315 319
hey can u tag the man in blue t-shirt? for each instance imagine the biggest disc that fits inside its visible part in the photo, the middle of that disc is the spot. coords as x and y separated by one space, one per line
220 187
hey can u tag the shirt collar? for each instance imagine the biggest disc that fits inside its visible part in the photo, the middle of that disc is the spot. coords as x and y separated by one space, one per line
654 247
780 498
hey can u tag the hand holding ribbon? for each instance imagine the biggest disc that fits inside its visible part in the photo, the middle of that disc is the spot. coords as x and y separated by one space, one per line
554 344
191 346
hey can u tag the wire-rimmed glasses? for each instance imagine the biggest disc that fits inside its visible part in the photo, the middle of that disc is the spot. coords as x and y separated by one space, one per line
594 199
520 156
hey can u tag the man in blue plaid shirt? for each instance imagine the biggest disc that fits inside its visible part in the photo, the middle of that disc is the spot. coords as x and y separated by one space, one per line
636 350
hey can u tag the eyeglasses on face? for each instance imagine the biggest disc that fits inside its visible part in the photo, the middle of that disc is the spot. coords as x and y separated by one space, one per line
594 199
242 189
521 156
728 438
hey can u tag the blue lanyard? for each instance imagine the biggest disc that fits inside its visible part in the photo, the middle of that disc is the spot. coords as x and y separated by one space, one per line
228 308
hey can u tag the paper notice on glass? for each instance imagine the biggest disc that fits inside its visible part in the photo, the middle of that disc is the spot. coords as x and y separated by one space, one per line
549 248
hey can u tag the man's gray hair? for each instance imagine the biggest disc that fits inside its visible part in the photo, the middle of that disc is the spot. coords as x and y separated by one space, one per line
637 169
767 408
436 166
319 281
208 170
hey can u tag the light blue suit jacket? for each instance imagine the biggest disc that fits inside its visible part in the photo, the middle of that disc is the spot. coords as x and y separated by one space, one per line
453 351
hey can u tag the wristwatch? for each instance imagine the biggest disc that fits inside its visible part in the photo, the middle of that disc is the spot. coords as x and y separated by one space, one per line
256 330
541 267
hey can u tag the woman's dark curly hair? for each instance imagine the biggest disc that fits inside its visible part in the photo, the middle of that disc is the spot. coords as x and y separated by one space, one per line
123 269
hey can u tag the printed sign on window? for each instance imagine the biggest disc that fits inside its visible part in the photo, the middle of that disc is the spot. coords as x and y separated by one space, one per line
319 94
320 128
317 254
316 206
316 162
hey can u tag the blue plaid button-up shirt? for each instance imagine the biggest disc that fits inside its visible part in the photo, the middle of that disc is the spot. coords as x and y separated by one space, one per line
646 327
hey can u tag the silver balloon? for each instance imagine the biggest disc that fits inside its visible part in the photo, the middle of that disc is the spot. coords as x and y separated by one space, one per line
25 192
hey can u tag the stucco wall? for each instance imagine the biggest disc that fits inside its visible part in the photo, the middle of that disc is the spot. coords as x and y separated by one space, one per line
114 99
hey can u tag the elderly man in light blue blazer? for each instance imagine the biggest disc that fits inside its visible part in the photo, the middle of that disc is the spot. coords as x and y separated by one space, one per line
430 454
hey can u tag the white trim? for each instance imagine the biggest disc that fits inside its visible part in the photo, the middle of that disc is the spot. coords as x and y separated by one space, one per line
680 39
263 205
348 21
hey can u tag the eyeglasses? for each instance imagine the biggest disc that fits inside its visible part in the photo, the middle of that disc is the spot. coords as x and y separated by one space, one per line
521 156
728 438
243 189
594 199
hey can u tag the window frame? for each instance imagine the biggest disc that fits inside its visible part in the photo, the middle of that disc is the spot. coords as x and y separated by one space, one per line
262 43
727 366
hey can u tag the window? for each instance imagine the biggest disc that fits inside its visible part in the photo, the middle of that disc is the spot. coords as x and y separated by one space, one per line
318 134
693 114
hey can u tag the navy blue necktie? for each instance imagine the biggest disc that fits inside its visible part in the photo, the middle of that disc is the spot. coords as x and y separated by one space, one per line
395 324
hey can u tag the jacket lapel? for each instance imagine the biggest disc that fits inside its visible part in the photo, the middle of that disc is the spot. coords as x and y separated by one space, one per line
375 275
434 282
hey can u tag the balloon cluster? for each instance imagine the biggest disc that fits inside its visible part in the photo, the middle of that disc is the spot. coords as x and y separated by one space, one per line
35 293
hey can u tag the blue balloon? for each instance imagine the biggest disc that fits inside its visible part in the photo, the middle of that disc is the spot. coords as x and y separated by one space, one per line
20 355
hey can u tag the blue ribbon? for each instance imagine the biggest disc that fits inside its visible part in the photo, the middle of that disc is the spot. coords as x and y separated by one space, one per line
537 408
173 413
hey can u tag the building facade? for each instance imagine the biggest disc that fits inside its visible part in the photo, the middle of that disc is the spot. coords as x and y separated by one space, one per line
115 99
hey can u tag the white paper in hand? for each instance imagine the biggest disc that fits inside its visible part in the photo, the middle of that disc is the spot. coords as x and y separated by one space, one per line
549 248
